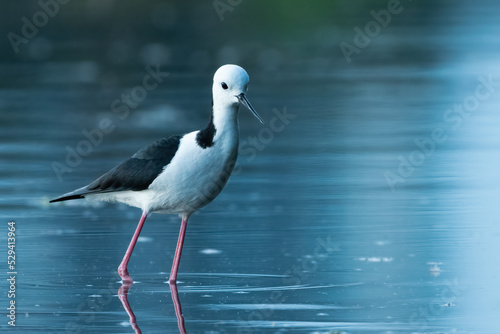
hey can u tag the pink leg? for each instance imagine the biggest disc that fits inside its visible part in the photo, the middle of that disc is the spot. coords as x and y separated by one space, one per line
178 250
122 269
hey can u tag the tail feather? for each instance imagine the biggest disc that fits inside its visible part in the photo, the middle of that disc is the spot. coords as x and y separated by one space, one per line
75 194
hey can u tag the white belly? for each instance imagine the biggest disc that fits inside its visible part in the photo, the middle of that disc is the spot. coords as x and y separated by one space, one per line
194 177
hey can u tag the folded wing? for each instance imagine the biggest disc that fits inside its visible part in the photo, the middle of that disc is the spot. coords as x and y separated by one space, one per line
136 174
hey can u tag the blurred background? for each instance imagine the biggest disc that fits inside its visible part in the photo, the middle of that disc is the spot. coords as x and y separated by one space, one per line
367 203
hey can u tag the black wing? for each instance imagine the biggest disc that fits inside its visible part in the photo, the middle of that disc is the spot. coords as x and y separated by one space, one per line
137 173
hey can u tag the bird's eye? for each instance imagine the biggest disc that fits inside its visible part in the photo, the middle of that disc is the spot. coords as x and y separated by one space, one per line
224 86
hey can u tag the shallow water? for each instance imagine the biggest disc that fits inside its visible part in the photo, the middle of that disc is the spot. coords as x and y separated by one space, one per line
308 236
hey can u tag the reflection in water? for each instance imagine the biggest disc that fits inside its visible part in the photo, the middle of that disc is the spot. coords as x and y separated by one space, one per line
123 295
178 309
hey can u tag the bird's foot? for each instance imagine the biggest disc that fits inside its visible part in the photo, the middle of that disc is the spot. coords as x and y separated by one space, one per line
123 272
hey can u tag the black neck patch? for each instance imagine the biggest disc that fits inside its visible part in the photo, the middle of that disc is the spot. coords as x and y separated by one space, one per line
205 137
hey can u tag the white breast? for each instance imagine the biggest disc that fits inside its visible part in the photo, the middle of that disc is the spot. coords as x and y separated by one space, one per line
195 176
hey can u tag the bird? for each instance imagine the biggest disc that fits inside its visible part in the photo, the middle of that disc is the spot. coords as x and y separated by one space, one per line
182 173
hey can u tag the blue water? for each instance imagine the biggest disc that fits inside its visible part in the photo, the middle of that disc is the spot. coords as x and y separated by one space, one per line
372 208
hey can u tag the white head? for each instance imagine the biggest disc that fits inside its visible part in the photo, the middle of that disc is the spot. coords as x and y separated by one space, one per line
230 88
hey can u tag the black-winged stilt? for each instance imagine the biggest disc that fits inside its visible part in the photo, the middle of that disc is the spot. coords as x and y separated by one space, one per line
182 173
